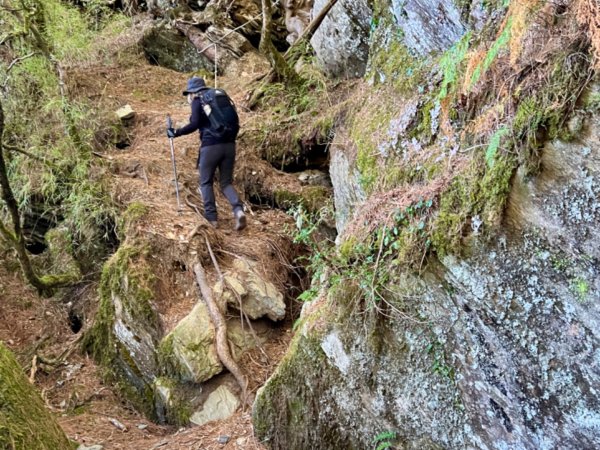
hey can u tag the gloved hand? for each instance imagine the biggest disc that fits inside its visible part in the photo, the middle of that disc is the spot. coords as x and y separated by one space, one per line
170 133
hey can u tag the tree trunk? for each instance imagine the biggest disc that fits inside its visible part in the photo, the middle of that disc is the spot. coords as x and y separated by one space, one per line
279 66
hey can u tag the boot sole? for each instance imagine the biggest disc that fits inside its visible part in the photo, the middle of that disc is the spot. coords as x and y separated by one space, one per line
240 223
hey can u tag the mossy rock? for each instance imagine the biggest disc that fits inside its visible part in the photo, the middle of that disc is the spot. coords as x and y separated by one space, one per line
311 198
61 253
169 48
189 353
124 336
25 424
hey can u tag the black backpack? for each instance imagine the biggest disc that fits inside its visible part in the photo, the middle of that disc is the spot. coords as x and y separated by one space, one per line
221 112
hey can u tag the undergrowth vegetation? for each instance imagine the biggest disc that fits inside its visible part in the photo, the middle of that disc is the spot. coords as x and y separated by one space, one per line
294 117
50 135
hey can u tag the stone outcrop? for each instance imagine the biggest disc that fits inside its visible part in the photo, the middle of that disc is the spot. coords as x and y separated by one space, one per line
346 187
487 336
246 289
167 47
190 348
499 351
297 17
341 43
428 25
166 369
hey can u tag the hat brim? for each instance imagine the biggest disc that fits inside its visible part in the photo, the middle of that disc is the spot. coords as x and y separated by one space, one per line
195 91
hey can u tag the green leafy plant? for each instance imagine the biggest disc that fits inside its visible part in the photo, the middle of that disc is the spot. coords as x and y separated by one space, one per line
491 55
494 144
385 440
435 349
450 64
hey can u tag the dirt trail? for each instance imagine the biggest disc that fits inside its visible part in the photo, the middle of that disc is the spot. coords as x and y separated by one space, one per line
142 172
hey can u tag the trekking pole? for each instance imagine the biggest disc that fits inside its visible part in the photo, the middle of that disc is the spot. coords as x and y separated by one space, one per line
170 125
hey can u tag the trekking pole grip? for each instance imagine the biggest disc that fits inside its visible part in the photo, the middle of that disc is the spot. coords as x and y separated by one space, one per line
169 121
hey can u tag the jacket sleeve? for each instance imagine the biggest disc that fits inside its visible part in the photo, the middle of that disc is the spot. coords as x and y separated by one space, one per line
198 120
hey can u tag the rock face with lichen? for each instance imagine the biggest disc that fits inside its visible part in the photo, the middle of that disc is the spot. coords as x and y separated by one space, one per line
500 350
341 43
461 308
428 25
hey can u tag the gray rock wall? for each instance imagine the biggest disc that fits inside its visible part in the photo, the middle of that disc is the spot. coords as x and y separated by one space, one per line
497 350
342 41
428 25
347 191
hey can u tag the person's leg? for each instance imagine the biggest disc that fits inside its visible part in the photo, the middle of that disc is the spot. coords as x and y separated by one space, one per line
209 161
226 180
226 166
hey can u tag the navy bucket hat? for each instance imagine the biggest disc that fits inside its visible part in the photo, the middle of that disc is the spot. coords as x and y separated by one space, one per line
194 85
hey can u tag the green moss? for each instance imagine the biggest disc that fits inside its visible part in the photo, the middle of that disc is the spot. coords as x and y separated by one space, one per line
366 131
393 65
25 423
591 101
311 198
581 288
481 191
167 361
128 277
176 406
542 113
131 216
273 410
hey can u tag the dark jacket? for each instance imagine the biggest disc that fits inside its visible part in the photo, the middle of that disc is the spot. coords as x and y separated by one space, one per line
199 121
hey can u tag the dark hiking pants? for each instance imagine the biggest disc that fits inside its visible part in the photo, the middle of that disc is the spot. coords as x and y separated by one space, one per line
220 156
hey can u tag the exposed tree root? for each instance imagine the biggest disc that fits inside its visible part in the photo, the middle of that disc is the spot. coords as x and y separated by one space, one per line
221 332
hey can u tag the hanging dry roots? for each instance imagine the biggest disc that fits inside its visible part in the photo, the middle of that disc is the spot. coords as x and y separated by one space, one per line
588 15
221 331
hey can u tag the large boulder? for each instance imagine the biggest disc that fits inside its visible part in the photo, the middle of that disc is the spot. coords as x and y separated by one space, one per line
492 350
189 350
342 41
127 329
243 287
167 47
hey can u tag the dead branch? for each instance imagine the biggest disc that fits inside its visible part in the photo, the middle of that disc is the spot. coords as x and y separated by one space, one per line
214 260
12 64
199 40
312 27
221 331
45 161
33 369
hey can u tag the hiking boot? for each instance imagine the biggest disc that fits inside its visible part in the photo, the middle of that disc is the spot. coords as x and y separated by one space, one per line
240 220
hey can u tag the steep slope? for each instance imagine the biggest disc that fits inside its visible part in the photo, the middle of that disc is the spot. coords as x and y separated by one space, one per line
459 308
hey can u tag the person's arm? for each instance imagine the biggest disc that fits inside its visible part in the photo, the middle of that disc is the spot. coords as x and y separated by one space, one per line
197 119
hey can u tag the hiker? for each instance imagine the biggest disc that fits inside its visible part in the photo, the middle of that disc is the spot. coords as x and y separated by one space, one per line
214 116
